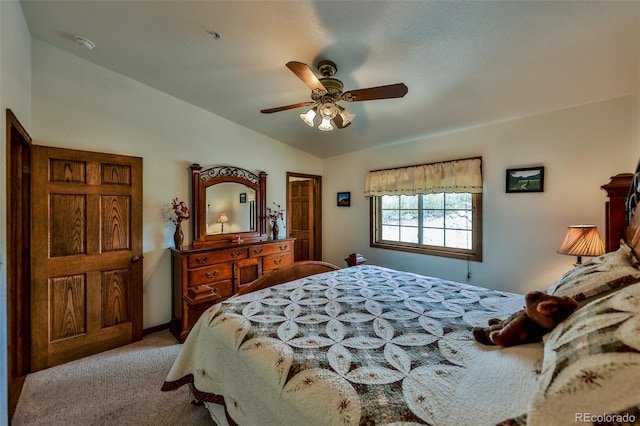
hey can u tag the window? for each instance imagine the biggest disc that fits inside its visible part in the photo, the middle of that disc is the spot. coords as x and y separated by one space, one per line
441 224
432 209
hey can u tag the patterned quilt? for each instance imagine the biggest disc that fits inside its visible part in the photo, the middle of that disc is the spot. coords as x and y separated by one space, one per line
363 345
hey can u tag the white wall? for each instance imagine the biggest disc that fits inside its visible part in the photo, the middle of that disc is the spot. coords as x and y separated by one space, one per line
79 105
636 110
635 120
580 148
15 94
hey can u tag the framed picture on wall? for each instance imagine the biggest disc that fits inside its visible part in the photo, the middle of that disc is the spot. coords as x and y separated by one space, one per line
344 199
243 197
529 179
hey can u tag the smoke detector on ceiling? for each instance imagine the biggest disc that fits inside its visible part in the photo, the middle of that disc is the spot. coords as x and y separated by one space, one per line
85 42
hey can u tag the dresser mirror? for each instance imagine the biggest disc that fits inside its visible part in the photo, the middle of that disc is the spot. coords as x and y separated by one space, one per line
228 205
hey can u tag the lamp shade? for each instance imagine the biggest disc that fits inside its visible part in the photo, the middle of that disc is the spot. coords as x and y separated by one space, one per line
582 240
328 110
325 126
308 117
347 117
223 218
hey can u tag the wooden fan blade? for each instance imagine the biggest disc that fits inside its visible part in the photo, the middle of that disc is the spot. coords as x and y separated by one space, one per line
305 74
381 92
286 107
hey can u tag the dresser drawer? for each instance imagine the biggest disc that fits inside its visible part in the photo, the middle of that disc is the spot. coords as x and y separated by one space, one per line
211 258
223 289
210 274
276 261
271 248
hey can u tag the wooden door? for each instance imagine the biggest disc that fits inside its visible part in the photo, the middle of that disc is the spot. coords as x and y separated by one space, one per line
86 294
18 256
301 218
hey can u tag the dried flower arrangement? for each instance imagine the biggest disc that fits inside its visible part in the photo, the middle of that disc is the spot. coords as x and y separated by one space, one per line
180 211
275 213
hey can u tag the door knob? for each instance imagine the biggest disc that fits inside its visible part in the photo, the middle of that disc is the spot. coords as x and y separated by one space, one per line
135 259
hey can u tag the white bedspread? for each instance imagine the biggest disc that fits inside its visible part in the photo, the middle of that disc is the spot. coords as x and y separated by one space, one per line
362 345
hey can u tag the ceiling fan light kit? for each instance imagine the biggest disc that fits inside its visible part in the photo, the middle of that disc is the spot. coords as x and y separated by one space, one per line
327 91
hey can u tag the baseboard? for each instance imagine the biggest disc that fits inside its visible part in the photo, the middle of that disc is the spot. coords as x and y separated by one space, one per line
155 328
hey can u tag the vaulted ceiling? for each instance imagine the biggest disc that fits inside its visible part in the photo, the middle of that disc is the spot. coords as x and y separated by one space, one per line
465 63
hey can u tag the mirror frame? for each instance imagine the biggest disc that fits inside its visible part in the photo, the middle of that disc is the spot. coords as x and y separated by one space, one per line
202 179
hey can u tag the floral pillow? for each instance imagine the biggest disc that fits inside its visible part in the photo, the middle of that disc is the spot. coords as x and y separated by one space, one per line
599 275
591 367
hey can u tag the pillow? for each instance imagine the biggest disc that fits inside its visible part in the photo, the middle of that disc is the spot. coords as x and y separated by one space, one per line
599 275
591 367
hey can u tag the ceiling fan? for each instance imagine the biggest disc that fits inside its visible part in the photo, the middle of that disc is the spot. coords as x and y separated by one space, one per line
327 91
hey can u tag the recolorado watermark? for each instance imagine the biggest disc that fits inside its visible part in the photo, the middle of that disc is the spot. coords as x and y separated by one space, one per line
605 418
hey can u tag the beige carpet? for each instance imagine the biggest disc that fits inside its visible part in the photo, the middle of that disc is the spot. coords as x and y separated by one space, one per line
118 387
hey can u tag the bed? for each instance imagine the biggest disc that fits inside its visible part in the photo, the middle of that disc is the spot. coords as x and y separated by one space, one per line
316 345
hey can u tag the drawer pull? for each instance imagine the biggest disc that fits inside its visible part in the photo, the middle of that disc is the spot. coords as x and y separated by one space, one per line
277 261
200 261
258 251
284 247
235 255
209 275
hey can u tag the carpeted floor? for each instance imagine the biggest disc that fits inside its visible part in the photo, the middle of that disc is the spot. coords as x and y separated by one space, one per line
118 387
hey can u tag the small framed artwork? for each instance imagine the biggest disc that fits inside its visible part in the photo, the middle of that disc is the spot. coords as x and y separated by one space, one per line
344 199
530 179
243 197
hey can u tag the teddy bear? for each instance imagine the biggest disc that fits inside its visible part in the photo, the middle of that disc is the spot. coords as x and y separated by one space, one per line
540 315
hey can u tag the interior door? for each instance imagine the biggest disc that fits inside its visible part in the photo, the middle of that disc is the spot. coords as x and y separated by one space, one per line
302 218
18 256
86 294
303 215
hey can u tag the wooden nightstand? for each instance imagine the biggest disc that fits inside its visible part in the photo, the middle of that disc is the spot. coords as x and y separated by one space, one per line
355 259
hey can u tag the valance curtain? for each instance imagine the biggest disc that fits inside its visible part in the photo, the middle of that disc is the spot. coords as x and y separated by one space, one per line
449 176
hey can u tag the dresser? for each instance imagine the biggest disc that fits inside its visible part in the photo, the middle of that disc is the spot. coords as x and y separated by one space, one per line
206 275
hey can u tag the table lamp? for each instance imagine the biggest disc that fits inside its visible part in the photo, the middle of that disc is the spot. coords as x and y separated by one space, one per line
582 240
222 219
